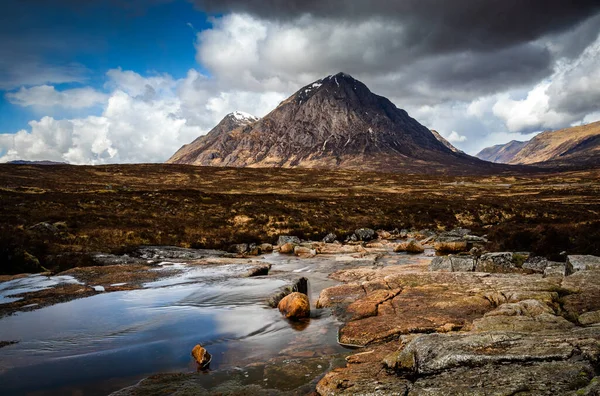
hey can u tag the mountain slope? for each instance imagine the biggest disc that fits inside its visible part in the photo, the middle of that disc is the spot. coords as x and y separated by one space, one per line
445 142
501 153
336 122
577 145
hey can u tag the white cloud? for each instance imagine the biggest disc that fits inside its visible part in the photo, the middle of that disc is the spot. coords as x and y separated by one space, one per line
144 119
455 137
48 96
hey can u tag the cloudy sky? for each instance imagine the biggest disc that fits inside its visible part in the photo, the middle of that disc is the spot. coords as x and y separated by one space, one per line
105 81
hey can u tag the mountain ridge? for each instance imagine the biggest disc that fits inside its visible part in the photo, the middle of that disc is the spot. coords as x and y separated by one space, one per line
576 146
334 122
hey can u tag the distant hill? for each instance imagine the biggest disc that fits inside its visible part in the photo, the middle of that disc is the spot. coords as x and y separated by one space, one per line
23 162
335 122
501 153
578 146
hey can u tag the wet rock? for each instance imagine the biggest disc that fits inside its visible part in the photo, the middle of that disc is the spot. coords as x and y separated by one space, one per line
455 246
340 295
582 263
295 306
259 270
453 264
160 253
330 238
410 246
283 239
554 269
304 252
496 263
300 286
201 356
535 264
287 248
239 248
266 247
364 234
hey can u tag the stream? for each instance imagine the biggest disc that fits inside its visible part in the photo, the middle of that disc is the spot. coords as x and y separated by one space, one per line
100 344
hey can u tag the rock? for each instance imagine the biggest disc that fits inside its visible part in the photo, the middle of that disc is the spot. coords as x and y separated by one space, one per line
364 234
441 264
433 353
266 247
300 286
582 263
554 269
295 306
287 248
496 263
475 239
523 316
304 252
535 264
45 228
330 238
382 234
201 356
283 239
456 246
453 263
253 250
239 248
410 246
259 270
589 318
538 378
455 234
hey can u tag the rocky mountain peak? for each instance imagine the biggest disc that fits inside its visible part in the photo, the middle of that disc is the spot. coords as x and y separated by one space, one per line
333 122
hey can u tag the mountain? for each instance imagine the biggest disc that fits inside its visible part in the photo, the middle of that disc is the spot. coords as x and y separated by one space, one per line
445 142
501 153
335 122
189 153
579 146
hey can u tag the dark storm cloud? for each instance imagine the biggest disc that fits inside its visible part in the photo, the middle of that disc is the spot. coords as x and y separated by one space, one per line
433 24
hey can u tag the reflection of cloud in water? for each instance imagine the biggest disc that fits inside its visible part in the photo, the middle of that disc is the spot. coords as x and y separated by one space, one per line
31 283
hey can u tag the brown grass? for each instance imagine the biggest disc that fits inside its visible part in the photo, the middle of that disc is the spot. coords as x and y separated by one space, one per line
114 208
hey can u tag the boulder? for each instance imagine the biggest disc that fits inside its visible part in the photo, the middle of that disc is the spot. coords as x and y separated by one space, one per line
287 248
304 252
266 247
554 269
239 248
201 356
410 246
589 318
294 306
253 250
330 238
382 234
440 264
283 239
455 246
582 263
535 264
496 263
45 228
259 270
364 234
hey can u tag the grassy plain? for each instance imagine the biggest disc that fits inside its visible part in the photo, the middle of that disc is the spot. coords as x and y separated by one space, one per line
118 207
